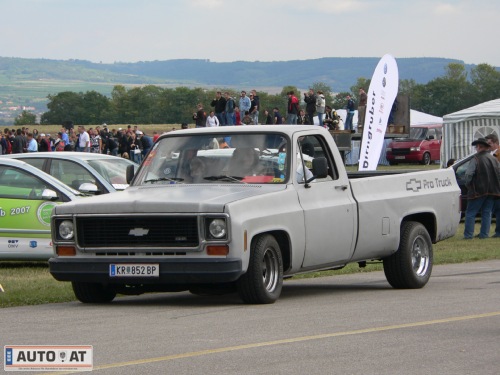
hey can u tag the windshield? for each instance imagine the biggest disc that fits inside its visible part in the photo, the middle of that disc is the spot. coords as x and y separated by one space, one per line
221 158
418 133
113 170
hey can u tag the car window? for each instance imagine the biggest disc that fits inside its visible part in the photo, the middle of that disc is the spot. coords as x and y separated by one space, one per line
114 171
224 158
19 184
70 173
461 169
35 162
313 147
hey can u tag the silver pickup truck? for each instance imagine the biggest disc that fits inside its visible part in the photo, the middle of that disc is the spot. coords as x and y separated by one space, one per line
240 208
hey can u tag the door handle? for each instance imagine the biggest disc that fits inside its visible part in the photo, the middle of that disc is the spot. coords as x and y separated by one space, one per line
341 187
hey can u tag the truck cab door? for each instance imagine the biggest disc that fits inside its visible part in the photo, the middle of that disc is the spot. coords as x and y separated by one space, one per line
330 214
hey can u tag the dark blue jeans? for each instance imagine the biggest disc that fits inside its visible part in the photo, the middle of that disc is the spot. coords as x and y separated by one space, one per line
485 204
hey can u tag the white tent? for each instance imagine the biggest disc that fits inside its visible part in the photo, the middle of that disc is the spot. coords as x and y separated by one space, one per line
420 119
462 127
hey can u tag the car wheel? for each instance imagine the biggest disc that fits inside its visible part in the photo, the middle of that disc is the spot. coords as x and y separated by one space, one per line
426 159
92 292
410 267
263 280
393 163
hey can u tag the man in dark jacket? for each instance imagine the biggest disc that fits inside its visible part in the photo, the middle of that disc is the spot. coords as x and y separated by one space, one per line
482 179
200 117
219 104
310 99
19 143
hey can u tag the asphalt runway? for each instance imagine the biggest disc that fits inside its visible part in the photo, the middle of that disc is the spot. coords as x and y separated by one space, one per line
352 324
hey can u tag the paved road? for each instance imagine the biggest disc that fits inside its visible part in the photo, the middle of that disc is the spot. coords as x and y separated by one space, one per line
354 324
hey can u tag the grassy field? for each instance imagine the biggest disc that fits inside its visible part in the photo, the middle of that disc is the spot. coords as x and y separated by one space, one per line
31 283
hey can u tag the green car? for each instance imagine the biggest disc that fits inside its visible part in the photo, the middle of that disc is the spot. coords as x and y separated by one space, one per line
27 197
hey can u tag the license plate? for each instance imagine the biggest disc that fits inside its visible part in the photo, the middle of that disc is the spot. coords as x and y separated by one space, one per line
399 157
134 270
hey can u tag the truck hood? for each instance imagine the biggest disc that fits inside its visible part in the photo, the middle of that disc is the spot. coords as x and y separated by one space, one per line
167 199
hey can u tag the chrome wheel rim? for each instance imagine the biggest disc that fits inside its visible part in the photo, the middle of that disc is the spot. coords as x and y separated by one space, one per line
420 256
270 269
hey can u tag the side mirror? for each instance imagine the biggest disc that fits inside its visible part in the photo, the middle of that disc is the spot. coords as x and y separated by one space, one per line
430 137
49 195
87 187
320 167
130 173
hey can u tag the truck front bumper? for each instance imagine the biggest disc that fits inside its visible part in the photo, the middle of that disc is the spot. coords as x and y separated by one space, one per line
172 271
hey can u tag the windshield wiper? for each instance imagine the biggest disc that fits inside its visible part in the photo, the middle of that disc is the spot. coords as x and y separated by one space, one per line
224 178
173 179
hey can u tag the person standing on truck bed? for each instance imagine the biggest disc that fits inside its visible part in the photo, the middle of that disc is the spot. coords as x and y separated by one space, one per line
482 179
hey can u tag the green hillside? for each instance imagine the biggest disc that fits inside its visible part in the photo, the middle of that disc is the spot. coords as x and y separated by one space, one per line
27 82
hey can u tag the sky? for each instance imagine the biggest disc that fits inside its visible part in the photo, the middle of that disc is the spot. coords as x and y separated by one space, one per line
249 30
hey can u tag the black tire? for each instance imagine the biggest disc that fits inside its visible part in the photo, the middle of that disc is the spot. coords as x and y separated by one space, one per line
92 292
411 266
426 159
263 280
393 163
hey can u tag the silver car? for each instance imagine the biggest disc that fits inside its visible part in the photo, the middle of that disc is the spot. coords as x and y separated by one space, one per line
84 171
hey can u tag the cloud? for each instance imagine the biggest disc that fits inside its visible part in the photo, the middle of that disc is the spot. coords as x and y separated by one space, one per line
209 4
322 6
445 9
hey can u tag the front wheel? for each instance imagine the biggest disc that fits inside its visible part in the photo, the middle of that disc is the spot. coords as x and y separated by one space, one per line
92 292
411 266
426 159
263 280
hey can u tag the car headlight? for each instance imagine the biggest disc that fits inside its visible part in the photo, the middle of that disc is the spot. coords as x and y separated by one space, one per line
217 229
415 148
388 149
65 230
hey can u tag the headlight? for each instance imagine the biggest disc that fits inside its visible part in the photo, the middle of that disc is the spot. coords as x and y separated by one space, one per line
388 149
415 148
66 230
217 228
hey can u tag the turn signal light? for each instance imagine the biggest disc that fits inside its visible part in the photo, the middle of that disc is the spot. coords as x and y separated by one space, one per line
217 250
66 251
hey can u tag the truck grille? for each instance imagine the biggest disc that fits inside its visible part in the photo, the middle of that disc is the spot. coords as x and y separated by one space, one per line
137 232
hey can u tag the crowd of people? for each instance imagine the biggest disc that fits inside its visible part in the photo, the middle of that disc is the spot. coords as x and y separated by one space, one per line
130 143
247 109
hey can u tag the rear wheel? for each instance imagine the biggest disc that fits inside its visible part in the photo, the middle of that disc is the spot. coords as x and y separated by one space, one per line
411 266
263 280
92 292
393 163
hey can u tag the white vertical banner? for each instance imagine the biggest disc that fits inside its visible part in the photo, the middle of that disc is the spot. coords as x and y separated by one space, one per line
381 95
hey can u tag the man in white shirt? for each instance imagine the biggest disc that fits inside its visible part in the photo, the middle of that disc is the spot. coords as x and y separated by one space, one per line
83 140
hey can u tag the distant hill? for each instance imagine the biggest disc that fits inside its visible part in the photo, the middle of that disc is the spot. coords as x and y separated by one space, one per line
29 81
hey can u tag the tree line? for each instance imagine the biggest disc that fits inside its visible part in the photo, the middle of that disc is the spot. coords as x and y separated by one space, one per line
455 90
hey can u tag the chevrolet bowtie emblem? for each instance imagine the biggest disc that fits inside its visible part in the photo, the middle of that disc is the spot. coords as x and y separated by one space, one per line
138 232
414 185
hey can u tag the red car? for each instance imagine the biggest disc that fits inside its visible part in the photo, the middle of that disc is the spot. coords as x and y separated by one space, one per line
422 146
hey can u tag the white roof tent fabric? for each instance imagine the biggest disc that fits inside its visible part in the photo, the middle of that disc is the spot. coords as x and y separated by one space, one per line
461 128
422 119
